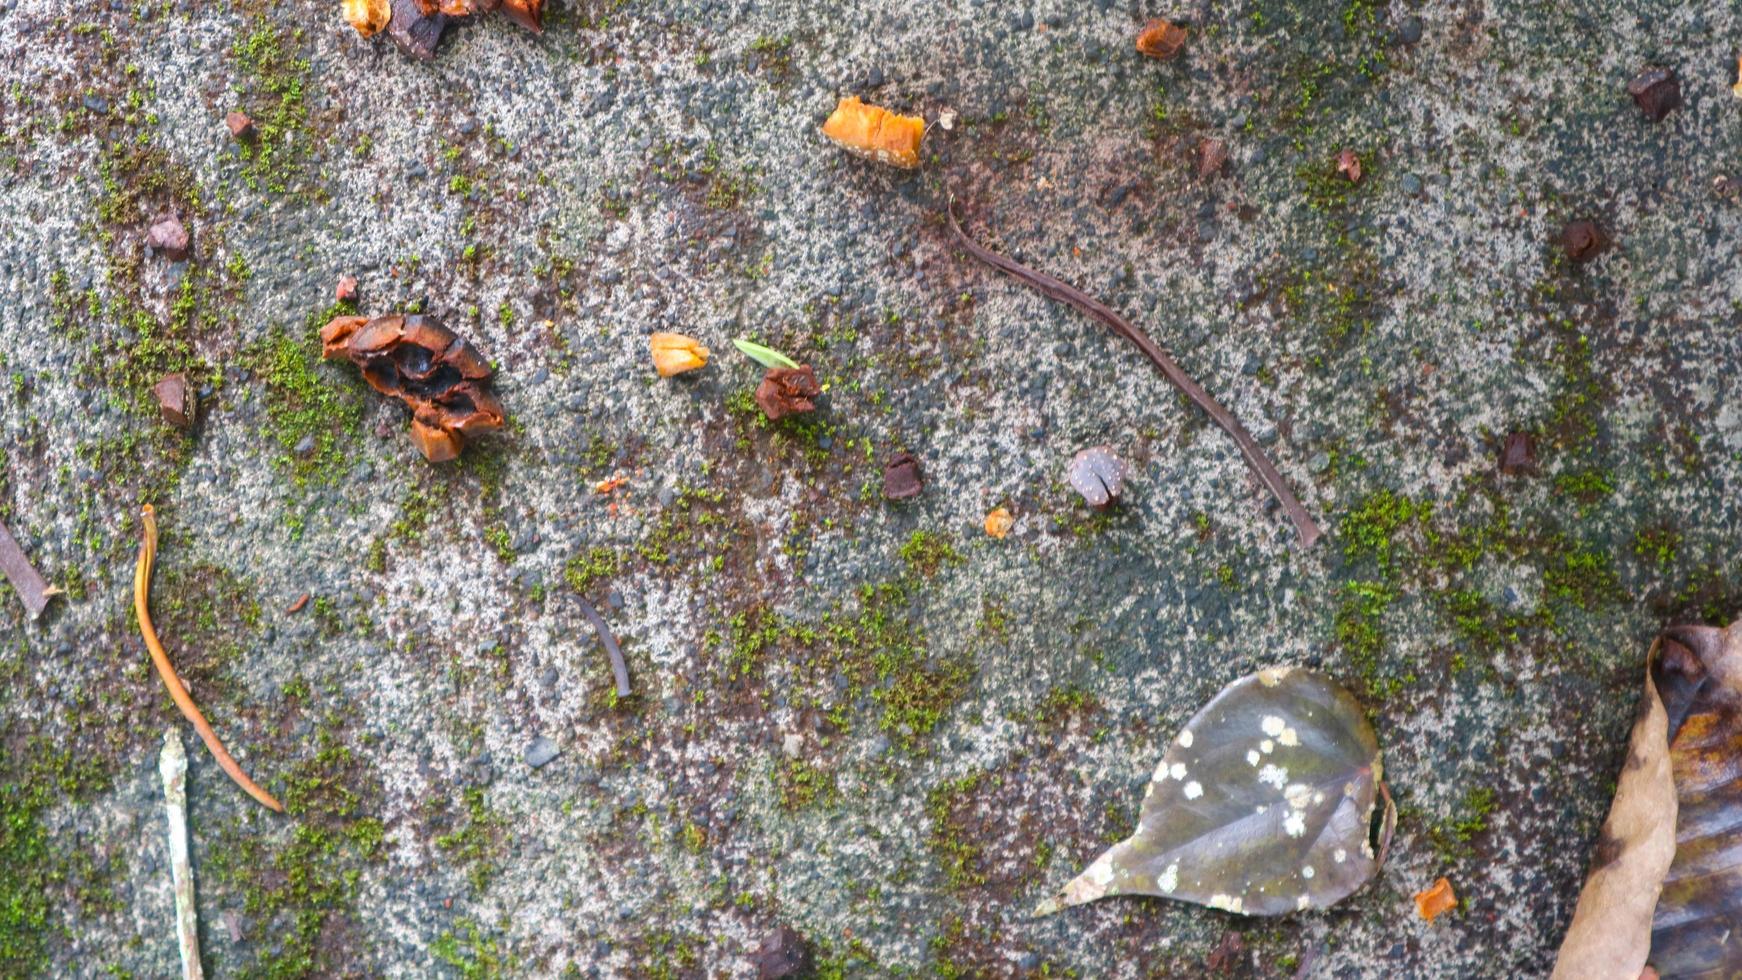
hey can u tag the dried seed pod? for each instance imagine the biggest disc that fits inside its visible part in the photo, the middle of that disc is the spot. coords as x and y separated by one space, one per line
176 400
369 17
901 477
1099 475
435 372
674 353
876 133
1656 91
1160 39
787 391
1583 240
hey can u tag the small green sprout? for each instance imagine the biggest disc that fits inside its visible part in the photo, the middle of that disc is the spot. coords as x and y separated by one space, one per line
768 357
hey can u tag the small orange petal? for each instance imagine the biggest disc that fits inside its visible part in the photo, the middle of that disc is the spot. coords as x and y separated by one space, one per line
1436 900
876 133
999 522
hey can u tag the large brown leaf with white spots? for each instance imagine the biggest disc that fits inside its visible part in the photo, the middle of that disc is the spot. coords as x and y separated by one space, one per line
1263 804
1665 886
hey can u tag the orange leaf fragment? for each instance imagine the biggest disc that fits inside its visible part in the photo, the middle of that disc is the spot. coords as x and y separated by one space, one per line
999 522
674 353
876 133
606 486
1161 39
1436 900
368 16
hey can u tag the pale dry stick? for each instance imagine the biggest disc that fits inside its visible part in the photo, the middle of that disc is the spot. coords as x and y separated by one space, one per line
1066 293
172 762
177 691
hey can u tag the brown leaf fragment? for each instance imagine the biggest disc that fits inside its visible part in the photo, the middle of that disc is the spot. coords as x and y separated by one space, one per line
241 126
1435 900
527 13
1212 154
901 477
169 238
1657 91
177 402
438 374
31 587
1349 165
1161 40
787 391
1518 454
1583 240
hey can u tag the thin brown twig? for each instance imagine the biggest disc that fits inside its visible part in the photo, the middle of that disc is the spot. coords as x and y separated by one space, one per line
1064 292
177 691
619 667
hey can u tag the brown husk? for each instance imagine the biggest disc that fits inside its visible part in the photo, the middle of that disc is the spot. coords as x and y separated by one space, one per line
437 373
1665 881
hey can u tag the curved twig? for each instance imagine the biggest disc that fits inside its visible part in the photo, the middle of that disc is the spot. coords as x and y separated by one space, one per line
619 666
1064 292
177 691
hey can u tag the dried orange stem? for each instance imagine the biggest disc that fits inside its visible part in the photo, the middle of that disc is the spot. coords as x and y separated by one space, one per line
160 660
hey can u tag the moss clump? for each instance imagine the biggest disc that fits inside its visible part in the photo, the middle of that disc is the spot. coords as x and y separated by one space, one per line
474 953
306 413
26 871
1582 578
591 567
479 843
959 857
803 785
927 551
1370 529
275 79
1358 629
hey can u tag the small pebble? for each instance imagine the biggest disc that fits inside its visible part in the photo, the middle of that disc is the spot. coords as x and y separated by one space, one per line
540 751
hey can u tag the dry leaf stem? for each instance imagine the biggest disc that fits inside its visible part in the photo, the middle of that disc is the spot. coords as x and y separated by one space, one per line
1064 292
172 764
160 660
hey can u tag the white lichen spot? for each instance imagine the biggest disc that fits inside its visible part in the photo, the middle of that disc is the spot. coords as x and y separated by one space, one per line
1178 771
1168 880
1185 739
1276 776
1339 855
1100 873
1272 725
1229 903
1289 737
1252 757
1295 823
1298 795
1303 903
1272 676
1267 746
1307 871
1194 790
1348 789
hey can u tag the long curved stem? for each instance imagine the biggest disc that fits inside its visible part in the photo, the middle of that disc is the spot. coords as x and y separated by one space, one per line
1064 292
177 691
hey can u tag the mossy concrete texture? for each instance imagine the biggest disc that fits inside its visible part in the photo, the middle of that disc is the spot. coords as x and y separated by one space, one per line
869 721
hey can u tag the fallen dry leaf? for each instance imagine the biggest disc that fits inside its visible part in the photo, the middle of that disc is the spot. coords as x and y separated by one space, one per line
999 522
1161 39
674 353
437 373
1435 900
32 588
875 133
1666 877
1262 805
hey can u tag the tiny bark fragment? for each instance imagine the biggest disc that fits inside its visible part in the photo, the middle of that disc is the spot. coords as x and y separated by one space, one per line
438 374
1583 240
172 765
1099 475
787 391
176 400
1518 455
1657 91
1212 154
875 133
240 125
1161 39
999 522
160 660
168 237
368 16
1349 165
674 354
901 477
1435 900
32 588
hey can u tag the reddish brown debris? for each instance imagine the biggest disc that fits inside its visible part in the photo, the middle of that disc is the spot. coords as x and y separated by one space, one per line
1518 455
1435 900
416 26
901 477
438 374
1656 91
1349 165
241 126
1212 153
787 391
176 400
168 237
1161 39
1583 240
301 601
346 290
527 13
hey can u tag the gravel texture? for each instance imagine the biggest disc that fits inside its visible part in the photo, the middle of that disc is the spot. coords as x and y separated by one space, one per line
864 720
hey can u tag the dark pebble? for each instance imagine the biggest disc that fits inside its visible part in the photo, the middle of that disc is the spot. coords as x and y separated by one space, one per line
541 751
